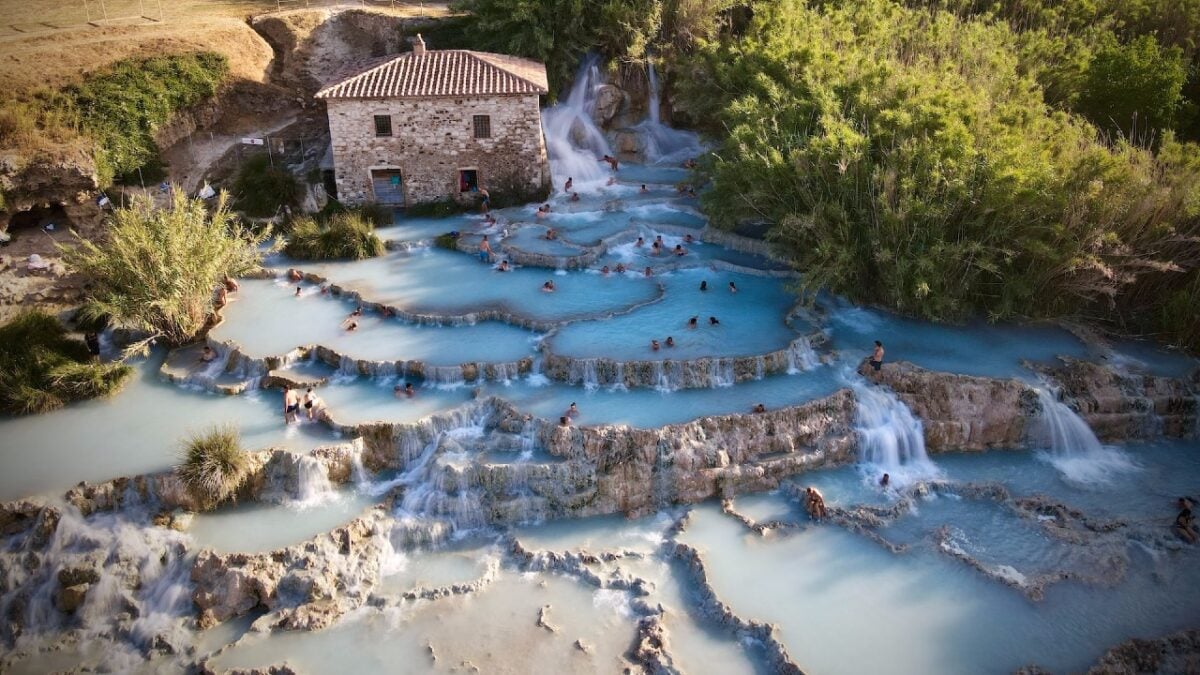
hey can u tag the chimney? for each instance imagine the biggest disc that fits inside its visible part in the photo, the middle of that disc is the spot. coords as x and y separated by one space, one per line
418 46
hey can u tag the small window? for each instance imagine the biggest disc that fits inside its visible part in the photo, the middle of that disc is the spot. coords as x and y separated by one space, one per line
483 126
383 125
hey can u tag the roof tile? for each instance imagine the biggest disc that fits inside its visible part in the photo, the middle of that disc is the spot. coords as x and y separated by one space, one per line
449 72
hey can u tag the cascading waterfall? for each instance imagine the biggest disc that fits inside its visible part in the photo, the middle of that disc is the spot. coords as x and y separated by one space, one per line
890 438
1071 446
573 141
312 482
662 144
801 357
721 373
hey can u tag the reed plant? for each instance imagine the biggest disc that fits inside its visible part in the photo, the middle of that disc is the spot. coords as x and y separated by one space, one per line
213 466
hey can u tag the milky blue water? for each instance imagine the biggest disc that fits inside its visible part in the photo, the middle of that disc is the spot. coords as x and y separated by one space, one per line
267 318
751 321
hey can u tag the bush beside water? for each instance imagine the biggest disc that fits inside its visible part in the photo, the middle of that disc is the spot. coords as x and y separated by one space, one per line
260 190
348 235
42 368
214 467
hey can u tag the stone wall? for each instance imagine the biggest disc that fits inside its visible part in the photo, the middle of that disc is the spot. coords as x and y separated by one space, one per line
432 138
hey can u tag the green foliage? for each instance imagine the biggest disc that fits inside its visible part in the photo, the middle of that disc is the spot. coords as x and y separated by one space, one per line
156 269
439 208
213 466
346 236
1133 86
122 106
261 190
377 215
557 32
42 368
446 241
908 158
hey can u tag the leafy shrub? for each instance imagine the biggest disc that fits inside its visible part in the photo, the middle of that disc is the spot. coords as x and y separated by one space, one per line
447 241
261 190
439 208
905 157
156 269
213 466
346 236
377 215
42 368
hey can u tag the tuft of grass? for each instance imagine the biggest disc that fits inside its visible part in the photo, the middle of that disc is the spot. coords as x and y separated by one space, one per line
346 236
42 368
213 466
261 190
447 241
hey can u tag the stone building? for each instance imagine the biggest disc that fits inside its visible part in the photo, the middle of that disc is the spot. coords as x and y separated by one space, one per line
429 125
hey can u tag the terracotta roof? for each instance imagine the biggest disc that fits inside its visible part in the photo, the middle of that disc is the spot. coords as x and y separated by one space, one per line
449 72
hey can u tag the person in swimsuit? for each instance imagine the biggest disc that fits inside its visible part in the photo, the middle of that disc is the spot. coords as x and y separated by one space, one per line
503 266
644 190
574 197
612 162
291 405
311 402
692 321
231 285
548 287
485 250
648 273
572 410
620 268
639 243
655 248
814 503
351 325
294 274
689 239
654 346
1184 526
680 250
704 285
759 408
207 354
570 182
732 287
713 321
299 291
885 481
564 421
222 300
877 356
670 341
604 270
485 204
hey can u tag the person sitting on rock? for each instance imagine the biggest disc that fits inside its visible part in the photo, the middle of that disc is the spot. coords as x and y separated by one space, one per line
877 356
350 325
358 311
207 355
1184 526
814 503
221 300
231 285
564 421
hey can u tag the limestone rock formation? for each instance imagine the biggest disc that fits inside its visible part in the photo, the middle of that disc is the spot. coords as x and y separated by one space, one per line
1120 405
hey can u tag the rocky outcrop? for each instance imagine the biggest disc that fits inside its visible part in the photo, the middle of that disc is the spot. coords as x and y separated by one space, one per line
1120 405
55 174
961 412
1175 653
304 587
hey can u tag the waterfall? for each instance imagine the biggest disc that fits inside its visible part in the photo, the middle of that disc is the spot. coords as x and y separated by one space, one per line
619 378
573 141
1071 446
721 373
890 438
587 375
801 356
312 482
760 367
664 145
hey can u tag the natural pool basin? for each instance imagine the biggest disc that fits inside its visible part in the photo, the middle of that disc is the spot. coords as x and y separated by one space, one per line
267 319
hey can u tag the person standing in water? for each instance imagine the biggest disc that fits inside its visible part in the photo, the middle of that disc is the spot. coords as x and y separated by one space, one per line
310 401
877 356
814 503
570 182
485 202
291 405
485 250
